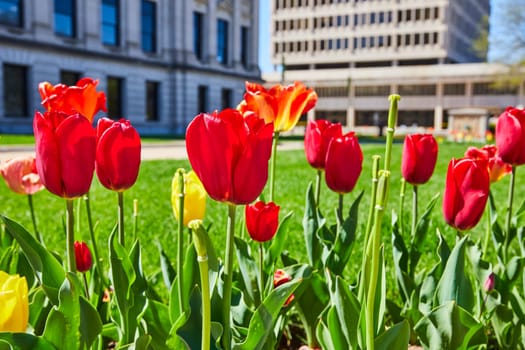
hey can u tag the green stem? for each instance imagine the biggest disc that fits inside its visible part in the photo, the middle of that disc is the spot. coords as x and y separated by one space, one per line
273 164
98 262
228 275
340 206
318 179
392 121
261 272
121 218
508 221
135 218
368 229
33 217
180 239
86 286
402 207
488 232
414 211
70 236
206 305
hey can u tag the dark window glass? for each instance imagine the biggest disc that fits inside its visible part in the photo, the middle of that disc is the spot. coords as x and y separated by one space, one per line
65 17
244 45
197 34
202 99
114 97
69 77
226 98
222 41
15 90
152 100
11 12
110 22
149 23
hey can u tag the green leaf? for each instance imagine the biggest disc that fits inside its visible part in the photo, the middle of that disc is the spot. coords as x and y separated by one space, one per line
394 338
168 272
514 268
24 341
190 279
248 267
265 316
347 307
454 285
158 324
400 255
279 241
450 327
49 271
418 240
312 221
90 323
141 343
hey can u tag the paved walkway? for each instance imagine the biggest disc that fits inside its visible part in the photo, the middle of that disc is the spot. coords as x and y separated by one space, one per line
150 151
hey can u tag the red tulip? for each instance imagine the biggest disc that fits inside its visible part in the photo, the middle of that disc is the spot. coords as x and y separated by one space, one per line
65 152
83 257
20 175
118 154
230 154
419 158
82 98
281 277
510 136
318 135
280 105
344 162
496 166
466 192
262 220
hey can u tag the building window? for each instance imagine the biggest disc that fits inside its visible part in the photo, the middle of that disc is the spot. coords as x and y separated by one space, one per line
226 98
493 89
69 77
152 101
417 90
222 41
455 89
202 99
114 97
11 12
372 90
244 45
15 91
110 22
149 23
65 17
197 34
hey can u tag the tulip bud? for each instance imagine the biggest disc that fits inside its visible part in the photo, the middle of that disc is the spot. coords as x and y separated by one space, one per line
490 283
194 196
118 154
199 238
14 314
281 277
262 220
510 136
317 137
83 257
466 192
344 162
419 158
20 175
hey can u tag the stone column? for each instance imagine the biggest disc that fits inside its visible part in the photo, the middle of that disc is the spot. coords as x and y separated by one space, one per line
234 50
211 29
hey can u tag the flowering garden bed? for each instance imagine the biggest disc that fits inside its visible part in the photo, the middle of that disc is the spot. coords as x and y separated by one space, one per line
419 286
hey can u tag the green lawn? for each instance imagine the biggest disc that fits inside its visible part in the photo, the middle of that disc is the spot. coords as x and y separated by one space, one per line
156 221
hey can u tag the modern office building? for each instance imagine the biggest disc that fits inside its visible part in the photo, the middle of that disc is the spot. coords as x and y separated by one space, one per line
357 52
160 62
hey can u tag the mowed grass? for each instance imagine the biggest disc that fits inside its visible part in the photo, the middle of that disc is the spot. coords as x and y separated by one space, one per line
156 221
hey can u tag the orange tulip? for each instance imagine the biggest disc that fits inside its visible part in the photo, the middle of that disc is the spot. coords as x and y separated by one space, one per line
496 166
20 175
82 98
280 105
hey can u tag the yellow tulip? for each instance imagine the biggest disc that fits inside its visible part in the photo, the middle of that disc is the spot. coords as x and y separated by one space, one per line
14 303
194 197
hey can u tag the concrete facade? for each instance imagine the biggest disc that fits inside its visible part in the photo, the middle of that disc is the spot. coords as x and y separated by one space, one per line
186 80
357 52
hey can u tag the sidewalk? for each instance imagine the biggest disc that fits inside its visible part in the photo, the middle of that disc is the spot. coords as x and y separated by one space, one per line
150 151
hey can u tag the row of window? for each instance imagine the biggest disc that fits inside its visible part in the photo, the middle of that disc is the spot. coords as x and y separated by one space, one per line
414 39
15 80
16 93
449 89
357 19
65 20
300 3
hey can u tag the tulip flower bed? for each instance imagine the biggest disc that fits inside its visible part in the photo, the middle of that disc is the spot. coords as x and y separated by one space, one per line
367 260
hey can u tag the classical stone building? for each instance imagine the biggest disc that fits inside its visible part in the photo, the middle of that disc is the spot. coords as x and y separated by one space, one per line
160 62
357 52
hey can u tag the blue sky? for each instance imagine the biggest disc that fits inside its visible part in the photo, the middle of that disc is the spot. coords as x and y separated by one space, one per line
264 30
